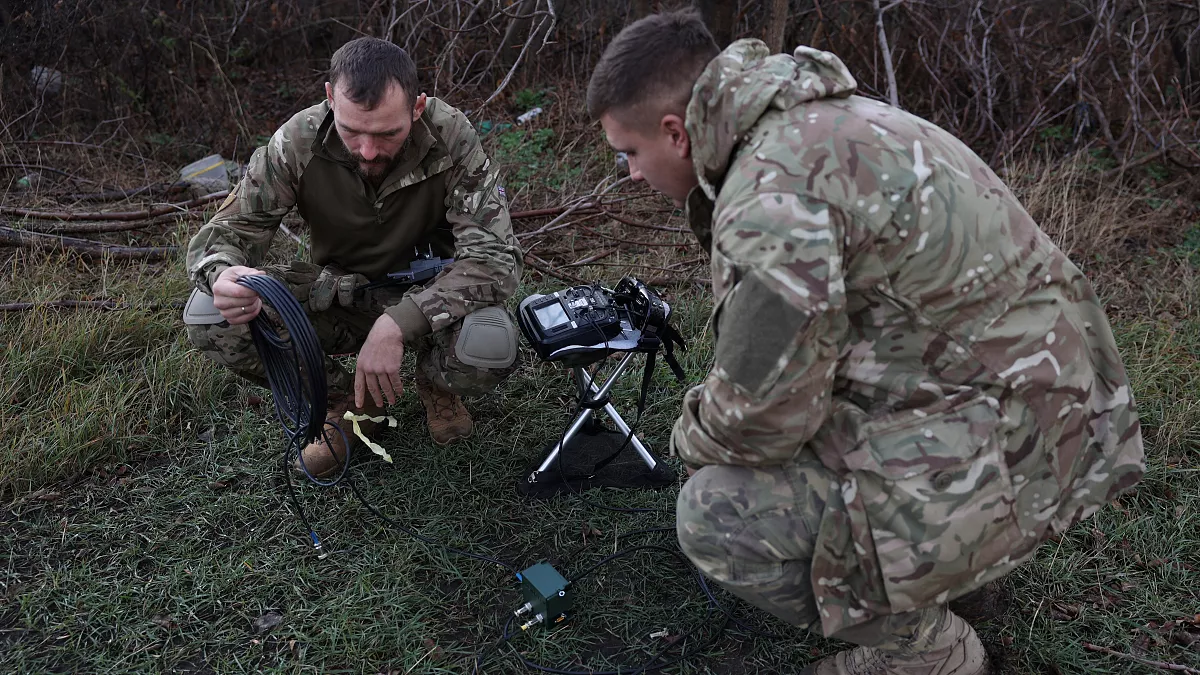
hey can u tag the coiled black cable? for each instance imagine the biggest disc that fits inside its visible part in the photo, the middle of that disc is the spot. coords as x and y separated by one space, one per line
295 367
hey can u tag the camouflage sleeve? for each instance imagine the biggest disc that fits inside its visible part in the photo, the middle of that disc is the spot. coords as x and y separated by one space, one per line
487 259
240 233
778 322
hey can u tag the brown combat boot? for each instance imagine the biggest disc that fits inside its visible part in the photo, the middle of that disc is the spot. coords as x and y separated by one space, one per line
324 459
955 649
448 418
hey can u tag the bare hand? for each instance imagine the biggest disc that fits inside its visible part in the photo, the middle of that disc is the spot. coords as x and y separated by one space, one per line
378 368
236 303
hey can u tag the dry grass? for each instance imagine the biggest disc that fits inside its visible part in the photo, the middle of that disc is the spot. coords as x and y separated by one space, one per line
1122 231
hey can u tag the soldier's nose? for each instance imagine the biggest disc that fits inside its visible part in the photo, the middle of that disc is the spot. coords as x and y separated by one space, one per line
368 151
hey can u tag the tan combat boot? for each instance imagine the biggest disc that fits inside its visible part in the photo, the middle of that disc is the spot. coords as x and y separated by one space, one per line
448 418
955 649
324 459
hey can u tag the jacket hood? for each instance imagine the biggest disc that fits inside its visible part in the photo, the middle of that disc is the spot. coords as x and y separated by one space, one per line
744 82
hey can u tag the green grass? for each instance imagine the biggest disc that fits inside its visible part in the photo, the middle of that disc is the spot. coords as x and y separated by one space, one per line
164 560
146 528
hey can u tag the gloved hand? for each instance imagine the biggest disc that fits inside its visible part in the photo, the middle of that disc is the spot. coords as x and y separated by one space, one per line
334 284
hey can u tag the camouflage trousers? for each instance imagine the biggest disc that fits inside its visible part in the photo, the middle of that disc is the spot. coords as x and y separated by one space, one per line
752 530
342 330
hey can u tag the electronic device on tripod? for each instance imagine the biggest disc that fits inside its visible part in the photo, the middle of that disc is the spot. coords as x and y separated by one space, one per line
585 324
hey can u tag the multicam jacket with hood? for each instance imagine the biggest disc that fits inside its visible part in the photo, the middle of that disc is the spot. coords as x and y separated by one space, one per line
885 301
443 195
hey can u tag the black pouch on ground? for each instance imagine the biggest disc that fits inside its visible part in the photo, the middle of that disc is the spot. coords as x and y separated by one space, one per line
584 452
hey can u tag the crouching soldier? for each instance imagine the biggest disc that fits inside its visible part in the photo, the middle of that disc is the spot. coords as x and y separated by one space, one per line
379 172
912 386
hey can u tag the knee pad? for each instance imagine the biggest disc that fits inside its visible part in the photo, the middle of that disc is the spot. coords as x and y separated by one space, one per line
200 310
487 339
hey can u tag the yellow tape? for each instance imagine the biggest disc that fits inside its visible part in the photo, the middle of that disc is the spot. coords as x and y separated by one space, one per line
375 447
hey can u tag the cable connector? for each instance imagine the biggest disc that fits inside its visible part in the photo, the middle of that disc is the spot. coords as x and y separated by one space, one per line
537 618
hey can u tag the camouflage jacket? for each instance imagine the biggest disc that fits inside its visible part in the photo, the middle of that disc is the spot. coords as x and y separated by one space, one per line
883 300
444 194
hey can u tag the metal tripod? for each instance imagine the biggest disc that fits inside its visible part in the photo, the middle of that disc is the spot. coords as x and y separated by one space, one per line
589 391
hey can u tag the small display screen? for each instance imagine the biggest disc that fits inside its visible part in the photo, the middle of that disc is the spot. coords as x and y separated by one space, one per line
551 315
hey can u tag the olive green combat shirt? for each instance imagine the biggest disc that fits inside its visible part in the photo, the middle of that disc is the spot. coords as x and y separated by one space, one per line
443 194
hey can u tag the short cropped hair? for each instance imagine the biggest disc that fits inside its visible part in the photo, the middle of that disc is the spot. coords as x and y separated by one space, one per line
649 69
369 66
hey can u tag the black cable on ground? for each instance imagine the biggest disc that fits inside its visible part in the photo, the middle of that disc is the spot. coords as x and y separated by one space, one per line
295 367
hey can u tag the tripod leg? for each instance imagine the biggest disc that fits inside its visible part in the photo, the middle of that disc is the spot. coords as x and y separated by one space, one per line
586 384
571 431
633 440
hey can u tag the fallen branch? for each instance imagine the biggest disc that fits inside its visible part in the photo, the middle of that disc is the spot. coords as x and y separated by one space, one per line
593 258
644 226
115 215
668 282
11 237
102 227
291 234
1175 667
21 166
117 194
672 268
544 267
596 194
540 213
678 244
560 226
106 305
1145 159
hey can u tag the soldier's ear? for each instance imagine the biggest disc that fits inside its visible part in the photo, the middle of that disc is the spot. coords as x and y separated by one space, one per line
419 107
329 92
673 128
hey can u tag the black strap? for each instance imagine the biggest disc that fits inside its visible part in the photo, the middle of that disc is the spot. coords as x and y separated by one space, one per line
647 376
671 339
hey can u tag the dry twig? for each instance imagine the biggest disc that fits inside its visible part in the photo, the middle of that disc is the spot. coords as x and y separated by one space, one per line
1174 667
546 268
11 237
106 305
114 215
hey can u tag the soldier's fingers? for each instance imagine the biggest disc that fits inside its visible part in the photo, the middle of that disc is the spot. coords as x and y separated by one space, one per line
236 317
359 389
251 310
373 386
397 387
385 389
231 295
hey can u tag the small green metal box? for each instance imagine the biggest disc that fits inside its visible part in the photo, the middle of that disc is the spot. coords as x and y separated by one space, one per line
545 590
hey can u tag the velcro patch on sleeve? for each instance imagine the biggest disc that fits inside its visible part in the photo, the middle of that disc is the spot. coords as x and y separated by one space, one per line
757 333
